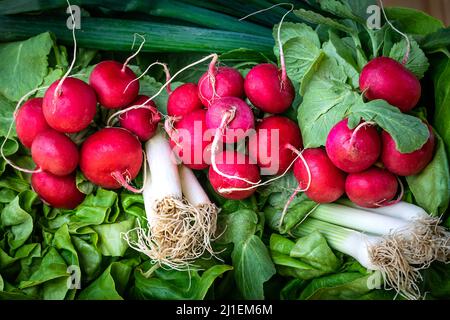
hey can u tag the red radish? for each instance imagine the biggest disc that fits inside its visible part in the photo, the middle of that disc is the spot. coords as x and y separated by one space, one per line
372 188
72 108
406 164
267 90
353 150
30 121
270 145
385 78
327 182
191 141
143 122
54 152
183 100
236 164
114 84
233 116
111 157
57 191
227 81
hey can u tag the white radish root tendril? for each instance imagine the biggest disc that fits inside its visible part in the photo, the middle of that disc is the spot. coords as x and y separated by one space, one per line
165 85
57 91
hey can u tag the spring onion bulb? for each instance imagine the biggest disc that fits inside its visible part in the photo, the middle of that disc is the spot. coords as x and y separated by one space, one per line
178 232
373 252
420 239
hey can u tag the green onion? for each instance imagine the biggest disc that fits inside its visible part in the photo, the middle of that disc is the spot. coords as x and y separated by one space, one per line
374 253
160 8
114 34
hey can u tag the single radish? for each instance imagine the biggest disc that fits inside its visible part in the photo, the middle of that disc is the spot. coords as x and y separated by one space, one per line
268 90
372 188
111 157
406 164
190 140
385 78
232 116
30 121
54 152
220 82
72 108
183 100
272 143
327 182
236 164
57 191
353 150
143 122
114 83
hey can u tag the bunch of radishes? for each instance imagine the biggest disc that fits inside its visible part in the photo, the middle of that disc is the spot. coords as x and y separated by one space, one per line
351 163
208 138
109 158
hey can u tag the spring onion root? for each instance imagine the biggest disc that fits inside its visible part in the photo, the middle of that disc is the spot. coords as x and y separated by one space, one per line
423 240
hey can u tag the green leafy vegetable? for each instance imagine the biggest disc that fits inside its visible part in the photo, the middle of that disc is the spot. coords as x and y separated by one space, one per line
24 65
414 21
253 267
431 187
172 284
326 101
441 80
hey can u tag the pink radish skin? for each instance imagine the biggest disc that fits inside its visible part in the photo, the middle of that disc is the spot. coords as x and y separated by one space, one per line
143 122
266 90
109 80
183 100
191 134
110 157
236 164
72 109
261 144
54 152
327 181
57 191
371 188
385 78
238 127
30 121
228 83
406 164
353 152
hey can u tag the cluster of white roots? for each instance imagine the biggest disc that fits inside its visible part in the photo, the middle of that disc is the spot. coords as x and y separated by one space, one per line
177 235
402 254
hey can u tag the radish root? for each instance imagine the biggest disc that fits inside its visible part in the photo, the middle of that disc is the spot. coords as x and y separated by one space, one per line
260 184
58 91
137 51
280 44
359 127
227 117
165 85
